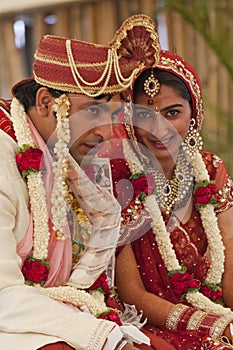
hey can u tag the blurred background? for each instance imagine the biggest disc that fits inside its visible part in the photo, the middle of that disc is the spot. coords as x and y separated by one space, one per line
199 30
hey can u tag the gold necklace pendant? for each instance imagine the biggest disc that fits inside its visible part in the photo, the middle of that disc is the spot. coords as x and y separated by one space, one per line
174 193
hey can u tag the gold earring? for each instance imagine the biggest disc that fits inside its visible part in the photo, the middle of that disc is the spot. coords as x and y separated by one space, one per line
151 85
193 140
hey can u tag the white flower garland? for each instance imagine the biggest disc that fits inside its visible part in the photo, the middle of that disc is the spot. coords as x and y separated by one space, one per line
94 300
36 189
41 232
37 195
210 224
162 238
61 150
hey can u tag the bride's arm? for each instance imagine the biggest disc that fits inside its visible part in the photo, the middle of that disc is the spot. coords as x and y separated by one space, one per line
160 312
132 291
225 220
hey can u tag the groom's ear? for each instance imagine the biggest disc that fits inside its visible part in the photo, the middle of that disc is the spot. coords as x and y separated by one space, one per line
44 101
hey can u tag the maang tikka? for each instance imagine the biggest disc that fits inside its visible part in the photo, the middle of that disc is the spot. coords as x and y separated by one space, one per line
151 85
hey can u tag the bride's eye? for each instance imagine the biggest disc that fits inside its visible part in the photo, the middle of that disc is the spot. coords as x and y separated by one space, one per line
172 113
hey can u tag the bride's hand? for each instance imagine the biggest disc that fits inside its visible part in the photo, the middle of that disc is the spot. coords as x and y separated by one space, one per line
227 333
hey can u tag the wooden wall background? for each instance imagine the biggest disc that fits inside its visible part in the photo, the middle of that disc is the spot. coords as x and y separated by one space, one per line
97 21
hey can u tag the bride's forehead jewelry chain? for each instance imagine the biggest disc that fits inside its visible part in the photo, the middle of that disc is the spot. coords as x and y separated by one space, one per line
151 85
210 225
150 102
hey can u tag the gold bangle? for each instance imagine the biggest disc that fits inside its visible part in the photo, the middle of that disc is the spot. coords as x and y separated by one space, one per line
195 320
219 325
174 316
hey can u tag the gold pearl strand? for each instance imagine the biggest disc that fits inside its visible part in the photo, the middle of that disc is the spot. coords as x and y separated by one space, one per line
124 82
79 218
112 60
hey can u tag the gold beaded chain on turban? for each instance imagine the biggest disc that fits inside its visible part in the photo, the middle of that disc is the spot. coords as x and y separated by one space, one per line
85 68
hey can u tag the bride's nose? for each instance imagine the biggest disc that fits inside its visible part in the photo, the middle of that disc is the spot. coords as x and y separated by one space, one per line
159 126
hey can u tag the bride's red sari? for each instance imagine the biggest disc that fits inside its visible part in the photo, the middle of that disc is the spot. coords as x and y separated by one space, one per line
190 244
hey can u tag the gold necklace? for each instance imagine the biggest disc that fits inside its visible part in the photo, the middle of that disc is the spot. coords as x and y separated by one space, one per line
174 193
81 226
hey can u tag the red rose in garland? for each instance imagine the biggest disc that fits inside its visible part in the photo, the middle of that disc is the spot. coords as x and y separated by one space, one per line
205 193
35 271
182 283
101 284
111 316
215 293
114 302
144 184
29 159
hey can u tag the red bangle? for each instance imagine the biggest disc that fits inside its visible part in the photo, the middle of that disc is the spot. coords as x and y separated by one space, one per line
207 323
184 318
